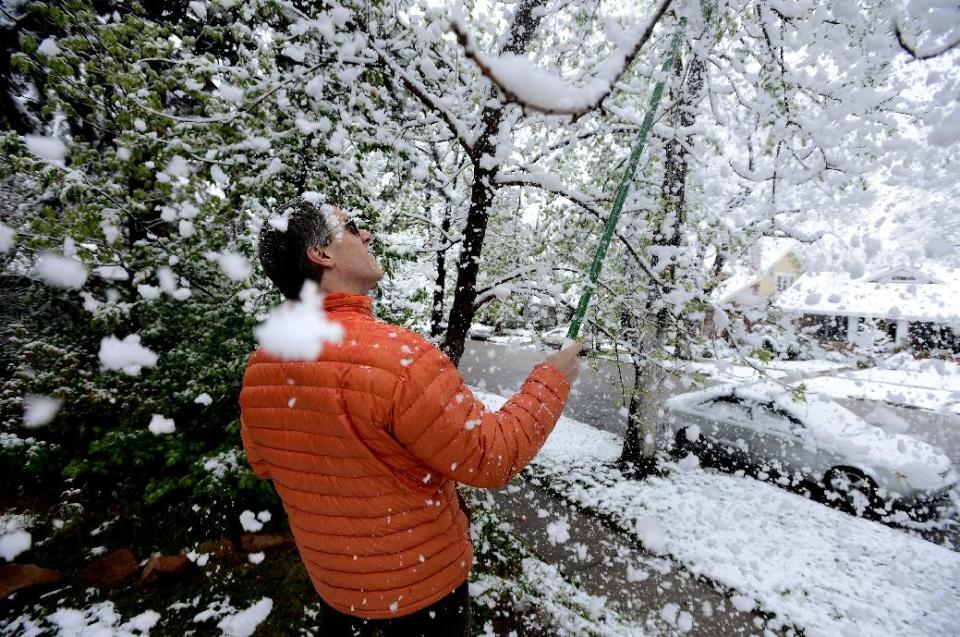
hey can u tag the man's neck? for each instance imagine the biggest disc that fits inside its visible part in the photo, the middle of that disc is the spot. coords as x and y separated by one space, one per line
345 289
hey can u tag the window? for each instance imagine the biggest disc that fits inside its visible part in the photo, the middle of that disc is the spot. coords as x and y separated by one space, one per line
728 408
768 418
826 327
784 281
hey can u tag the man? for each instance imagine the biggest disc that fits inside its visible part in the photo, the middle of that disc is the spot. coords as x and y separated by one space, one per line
366 444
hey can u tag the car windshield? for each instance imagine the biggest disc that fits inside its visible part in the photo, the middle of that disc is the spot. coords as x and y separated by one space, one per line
727 408
769 418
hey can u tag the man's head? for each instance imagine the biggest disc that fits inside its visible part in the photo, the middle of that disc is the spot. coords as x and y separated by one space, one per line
319 243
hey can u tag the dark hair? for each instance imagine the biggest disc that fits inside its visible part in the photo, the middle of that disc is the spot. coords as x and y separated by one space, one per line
283 253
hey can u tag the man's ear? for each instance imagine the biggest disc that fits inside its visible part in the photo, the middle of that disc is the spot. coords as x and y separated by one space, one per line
319 257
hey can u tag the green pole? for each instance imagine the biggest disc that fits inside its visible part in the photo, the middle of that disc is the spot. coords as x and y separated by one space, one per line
624 186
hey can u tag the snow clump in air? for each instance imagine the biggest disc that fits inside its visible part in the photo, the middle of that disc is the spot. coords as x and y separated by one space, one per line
127 355
177 167
7 237
297 330
199 9
148 292
49 47
40 410
233 265
254 522
161 425
204 399
230 93
244 623
13 544
49 148
61 271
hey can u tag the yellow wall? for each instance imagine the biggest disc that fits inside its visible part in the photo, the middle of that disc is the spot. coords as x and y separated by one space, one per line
787 264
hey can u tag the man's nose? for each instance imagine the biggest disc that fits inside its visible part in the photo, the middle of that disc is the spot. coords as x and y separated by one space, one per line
365 236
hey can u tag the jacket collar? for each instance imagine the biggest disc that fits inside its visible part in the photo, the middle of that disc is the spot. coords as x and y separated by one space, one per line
337 302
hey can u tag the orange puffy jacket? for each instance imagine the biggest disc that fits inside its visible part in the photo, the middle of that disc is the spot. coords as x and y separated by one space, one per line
365 447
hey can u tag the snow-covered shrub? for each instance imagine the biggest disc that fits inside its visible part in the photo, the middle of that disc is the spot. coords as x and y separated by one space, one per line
160 212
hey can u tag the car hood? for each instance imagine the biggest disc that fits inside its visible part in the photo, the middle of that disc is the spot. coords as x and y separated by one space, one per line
898 461
904 459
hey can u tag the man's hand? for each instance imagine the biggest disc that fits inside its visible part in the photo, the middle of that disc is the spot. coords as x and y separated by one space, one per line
566 361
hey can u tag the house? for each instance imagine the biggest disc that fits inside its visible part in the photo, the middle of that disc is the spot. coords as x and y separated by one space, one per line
773 265
908 306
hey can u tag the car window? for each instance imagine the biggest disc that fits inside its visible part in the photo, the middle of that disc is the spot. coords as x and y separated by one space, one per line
768 418
727 408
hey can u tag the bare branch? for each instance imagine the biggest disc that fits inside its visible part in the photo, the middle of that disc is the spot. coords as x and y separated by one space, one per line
607 130
581 200
484 294
615 66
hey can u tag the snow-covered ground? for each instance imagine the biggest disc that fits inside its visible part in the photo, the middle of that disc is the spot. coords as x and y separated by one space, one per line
822 570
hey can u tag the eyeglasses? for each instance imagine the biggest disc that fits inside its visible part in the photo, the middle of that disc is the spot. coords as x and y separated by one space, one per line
352 226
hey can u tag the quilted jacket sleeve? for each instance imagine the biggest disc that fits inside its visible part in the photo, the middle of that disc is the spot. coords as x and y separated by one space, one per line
438 420
257 463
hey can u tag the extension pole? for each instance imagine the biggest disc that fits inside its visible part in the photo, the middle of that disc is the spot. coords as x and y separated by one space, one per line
625 182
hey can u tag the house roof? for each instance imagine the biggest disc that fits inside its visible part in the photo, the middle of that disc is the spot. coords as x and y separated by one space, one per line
836 294
733 285
926 272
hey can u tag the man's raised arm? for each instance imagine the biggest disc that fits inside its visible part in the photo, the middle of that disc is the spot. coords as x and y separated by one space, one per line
437 418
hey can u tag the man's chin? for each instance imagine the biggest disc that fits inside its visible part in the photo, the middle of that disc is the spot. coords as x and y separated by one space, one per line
376 277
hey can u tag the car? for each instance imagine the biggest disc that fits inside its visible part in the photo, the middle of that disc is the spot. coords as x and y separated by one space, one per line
812 444
480 332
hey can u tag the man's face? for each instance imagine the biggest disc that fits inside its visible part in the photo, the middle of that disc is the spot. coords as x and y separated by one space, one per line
355 269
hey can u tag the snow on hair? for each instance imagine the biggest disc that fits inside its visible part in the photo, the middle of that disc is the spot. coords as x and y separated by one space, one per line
284 239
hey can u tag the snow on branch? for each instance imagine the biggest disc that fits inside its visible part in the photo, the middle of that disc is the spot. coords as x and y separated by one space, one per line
912 51
523 82
422 93
244 109
545 181
549 183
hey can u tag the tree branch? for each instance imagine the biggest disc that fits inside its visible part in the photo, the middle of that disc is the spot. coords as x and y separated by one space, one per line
613 67
423 95
223 119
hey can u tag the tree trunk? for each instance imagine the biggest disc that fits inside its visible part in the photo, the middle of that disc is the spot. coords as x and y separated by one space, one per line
638 458
439 286
525 22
